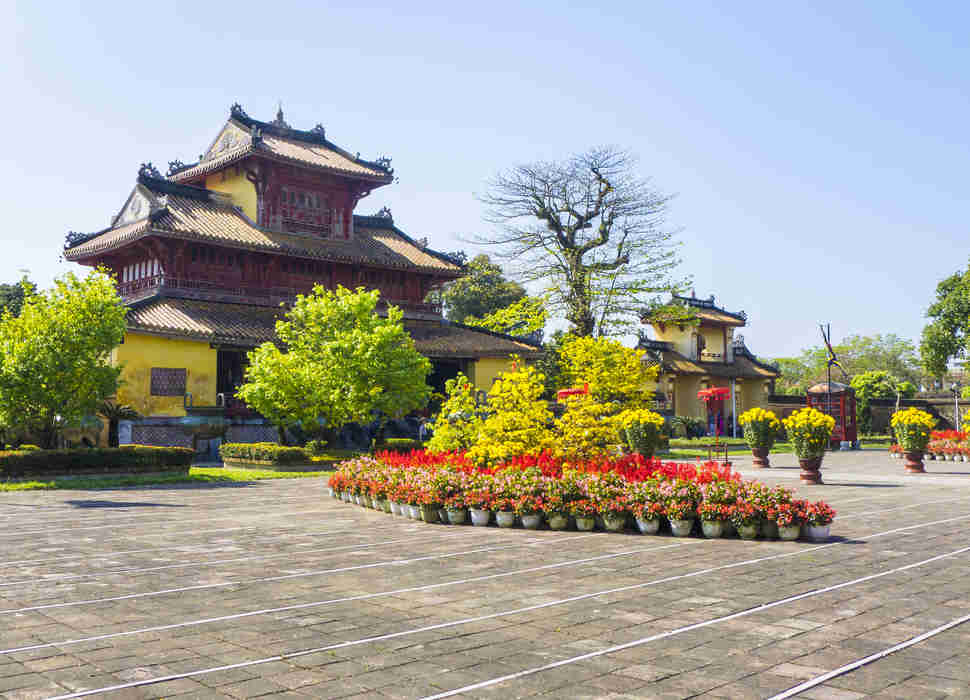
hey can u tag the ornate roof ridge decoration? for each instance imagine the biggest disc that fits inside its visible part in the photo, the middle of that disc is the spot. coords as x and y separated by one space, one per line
740 348
76 238
317 135
159 185
709 304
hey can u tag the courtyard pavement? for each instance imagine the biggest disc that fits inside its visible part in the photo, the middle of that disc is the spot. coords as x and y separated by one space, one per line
275 590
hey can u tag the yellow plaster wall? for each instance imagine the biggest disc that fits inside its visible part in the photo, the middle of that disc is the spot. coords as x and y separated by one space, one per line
233 182
673 334
485 369
139 353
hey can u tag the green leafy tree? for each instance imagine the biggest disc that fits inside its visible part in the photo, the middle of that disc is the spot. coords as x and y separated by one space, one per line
55 367
12 296
878 384
456 427
591 231
526 316
340 362
482 291
947 335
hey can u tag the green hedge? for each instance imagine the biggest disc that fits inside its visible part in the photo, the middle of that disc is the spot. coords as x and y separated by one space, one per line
264 452
130 459
401 445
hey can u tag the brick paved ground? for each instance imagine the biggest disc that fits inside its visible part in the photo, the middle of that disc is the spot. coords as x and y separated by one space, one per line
107 588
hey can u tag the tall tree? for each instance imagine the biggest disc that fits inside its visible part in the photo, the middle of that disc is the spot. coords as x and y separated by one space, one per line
525 317
591 231
55 364
947 335
483 290
341 361
12 296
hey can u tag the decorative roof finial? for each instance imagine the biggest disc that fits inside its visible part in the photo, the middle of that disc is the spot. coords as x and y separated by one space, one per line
279 121
385 213
236 110
149 170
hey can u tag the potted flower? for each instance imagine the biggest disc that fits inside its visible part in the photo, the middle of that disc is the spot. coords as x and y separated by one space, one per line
614 512
648 516
913 427
584 512
760 429
809 431
456 509
746 520
681 514
818 519
642 427
504 508
789 517
479 503
712 517
555 510
529 509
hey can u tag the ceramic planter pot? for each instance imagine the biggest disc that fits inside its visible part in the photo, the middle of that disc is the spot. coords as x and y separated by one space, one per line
346 496
748 532
480 517
395 508
769 529
681 528
585 523
414 512
914 462
557 521
818 533
713 528
330 492
443 516
382 505
429 514
614 522
789 533
729 529
505 518
811 470
532 521
648 527
760 460
457 516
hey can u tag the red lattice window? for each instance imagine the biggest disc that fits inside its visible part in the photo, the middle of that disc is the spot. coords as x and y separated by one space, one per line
168 381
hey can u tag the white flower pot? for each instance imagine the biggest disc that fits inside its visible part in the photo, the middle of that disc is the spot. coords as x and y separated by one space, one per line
648 527
396 508
443 516
713 529
790 533
681 528
818 533
346 496
557 521
614 523
457 516
505 518
480 518
330 492
532 521
414 512
585 523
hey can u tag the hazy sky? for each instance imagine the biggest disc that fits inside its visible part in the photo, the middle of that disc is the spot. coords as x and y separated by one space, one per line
818 154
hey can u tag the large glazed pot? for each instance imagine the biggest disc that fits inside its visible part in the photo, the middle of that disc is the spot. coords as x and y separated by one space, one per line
760 457
505 518
914 462
811 470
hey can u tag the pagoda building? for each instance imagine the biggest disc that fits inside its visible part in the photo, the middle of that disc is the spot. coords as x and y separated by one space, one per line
705 352
205 256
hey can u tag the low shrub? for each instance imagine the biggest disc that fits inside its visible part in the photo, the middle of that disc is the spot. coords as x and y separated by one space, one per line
316 447
27 448
130 458
401 445
263 452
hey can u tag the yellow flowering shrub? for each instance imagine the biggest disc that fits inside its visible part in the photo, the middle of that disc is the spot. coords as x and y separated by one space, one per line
613 371
641 428
760 427
913 427
809 431
587 428
518 420
456 427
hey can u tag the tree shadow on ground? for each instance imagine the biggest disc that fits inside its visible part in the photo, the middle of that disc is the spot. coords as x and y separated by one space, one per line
87 503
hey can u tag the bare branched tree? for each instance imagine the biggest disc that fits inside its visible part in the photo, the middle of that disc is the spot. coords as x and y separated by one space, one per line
591 231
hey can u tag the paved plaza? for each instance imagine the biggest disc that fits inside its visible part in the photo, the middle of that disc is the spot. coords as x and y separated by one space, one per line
275 590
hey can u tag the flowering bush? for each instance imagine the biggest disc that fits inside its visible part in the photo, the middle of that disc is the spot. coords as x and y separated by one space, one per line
809 431
642 427
456 426
760 428
790 514
744 514
583 508
649 511
913 428
681 510
587 429
819 513
714 511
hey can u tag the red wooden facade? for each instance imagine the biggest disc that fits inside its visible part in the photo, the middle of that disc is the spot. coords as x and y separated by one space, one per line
841 405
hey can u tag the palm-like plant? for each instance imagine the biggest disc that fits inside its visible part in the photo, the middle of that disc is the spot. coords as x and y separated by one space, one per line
114 413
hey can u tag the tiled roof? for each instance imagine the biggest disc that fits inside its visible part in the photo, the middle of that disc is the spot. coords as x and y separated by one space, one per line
244 325
305 148
705 311
197 214
743 367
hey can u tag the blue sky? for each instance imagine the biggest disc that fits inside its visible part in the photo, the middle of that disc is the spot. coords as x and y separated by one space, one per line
818 153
